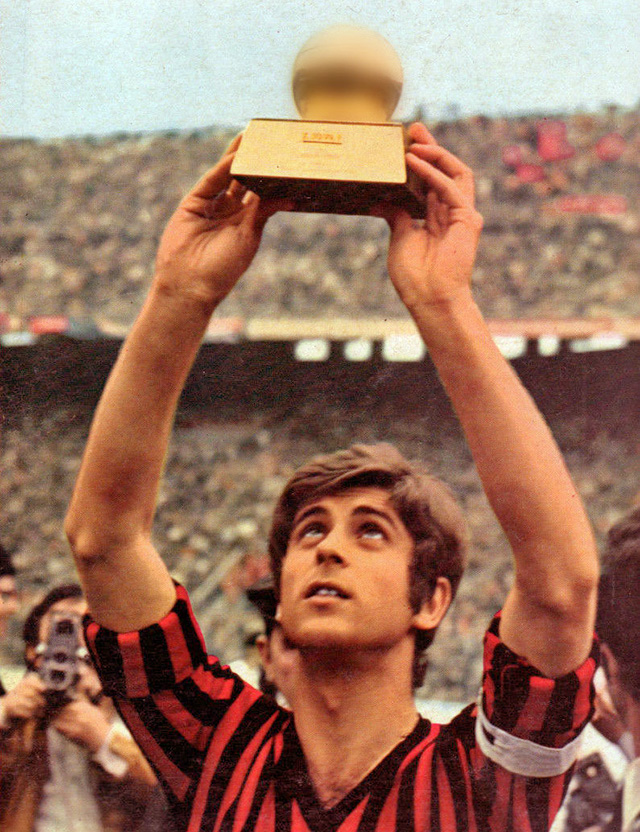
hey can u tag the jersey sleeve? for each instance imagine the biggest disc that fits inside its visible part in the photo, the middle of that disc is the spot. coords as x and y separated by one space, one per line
528 723
172 696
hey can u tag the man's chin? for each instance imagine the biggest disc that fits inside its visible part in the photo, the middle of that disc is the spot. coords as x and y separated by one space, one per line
321 636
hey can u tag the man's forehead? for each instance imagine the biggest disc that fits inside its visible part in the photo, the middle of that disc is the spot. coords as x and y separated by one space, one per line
352 499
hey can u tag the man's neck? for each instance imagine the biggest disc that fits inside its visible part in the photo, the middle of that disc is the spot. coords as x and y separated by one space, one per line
350 711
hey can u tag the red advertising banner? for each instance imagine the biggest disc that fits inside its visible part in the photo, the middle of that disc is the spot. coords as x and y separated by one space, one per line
589 204
48 324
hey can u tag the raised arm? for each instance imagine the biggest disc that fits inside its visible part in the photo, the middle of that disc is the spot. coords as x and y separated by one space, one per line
549 613
207 245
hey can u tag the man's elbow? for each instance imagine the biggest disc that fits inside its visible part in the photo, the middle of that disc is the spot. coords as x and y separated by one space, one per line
86 546
94 540
98 531
567 598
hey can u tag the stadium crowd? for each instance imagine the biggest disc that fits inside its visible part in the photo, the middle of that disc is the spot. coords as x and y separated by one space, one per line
81 219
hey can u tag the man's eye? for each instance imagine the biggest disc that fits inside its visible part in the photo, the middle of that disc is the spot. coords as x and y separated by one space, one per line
312 530
372 532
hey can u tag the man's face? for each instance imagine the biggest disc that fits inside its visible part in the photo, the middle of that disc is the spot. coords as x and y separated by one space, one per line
8 599
345 576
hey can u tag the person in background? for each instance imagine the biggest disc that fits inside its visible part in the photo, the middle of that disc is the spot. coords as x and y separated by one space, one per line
8 597
618 626
277 657
70 765
600 799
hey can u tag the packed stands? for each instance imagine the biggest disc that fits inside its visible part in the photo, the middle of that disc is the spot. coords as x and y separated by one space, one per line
560 258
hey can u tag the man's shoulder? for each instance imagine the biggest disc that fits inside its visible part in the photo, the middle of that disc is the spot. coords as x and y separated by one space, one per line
460 730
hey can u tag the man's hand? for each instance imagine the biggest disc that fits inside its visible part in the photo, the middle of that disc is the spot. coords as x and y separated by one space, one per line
26 700
431 262
83 723
213 235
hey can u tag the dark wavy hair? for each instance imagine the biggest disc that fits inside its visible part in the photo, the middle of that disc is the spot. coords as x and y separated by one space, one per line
618 619
425 505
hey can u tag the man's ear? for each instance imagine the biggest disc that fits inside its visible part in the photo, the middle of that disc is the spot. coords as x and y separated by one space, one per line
278 615
434 608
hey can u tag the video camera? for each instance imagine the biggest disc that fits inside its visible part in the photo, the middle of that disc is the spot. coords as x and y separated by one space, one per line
62 655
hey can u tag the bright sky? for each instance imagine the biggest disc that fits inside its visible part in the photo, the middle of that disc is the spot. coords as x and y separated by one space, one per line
99 66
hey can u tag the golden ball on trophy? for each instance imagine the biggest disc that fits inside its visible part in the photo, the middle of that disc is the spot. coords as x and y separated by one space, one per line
347 73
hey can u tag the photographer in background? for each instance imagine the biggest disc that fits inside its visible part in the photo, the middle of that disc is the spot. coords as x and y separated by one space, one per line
8 595
66 763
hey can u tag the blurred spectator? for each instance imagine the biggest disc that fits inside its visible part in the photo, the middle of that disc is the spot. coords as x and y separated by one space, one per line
277 659
8 589
66 763
8 594
596 802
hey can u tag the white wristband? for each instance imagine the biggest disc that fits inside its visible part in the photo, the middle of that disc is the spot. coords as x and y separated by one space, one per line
520 756
111 762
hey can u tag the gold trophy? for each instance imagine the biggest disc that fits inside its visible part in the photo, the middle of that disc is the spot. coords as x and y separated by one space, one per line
343 156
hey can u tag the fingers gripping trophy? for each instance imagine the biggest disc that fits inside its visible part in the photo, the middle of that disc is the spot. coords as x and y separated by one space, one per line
344 155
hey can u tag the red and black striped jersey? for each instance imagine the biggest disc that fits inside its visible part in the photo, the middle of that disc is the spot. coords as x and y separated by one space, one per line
230 760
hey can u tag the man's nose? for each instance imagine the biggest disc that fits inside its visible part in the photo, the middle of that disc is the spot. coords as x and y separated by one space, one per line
331 549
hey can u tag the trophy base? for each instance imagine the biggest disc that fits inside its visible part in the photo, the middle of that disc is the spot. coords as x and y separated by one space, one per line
329 167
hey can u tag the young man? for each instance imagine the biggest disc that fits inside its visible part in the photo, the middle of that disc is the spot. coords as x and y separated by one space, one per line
366 551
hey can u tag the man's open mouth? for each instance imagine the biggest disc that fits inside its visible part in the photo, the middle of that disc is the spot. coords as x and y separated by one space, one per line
325 589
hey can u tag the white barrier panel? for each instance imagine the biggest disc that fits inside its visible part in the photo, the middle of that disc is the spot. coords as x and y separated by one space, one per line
312 349
548 345
18 339
403 348
511 346
598 343
360 349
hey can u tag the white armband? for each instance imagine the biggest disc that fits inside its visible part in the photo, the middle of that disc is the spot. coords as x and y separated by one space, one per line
520 756
111 762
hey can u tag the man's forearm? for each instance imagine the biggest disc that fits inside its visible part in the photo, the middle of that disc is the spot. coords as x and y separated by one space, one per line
522 470
111 512
119 477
